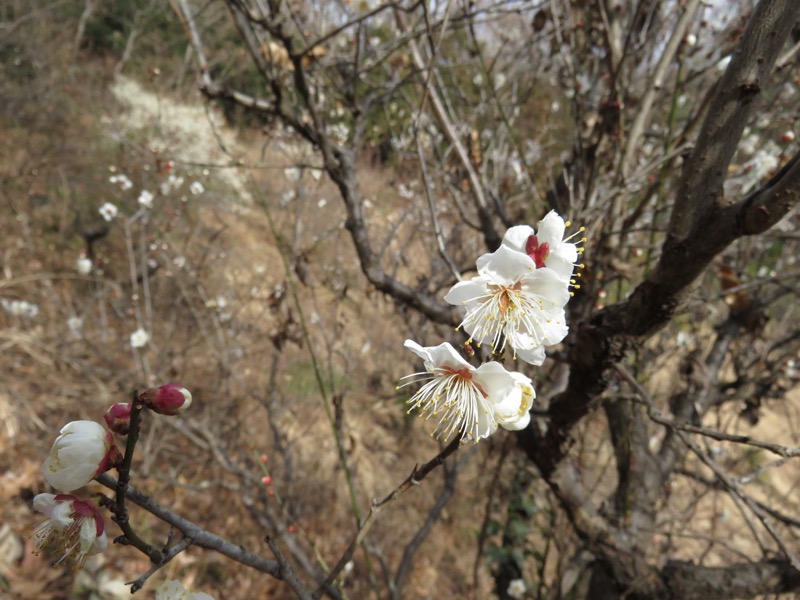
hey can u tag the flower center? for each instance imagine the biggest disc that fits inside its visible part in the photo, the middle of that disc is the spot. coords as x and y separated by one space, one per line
538 252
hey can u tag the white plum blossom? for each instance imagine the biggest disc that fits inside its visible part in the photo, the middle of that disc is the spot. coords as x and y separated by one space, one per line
20 308
511 411
75 325
196 188
292 174
174 590
84 265
513 302
175 182
546 246
122 181
517 588
108 211
82 451
146 199
461 396
74 528
139 338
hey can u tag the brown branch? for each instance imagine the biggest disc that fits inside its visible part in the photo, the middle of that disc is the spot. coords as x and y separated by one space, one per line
744 580
199 536
700 190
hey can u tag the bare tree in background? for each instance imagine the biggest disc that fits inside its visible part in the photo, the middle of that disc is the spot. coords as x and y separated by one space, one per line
663 127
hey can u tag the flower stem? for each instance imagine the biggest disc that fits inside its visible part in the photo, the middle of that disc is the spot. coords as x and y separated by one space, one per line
129 536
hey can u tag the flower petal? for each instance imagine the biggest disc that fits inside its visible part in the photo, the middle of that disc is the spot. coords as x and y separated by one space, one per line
516 237
551 229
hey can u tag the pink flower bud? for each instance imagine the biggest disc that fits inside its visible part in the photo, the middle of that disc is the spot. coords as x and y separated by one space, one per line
118 417
264 458
266 480
170 399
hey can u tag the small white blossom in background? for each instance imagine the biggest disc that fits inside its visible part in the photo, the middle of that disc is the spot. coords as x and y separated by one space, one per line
19 308
146 199
75 325
174 590
405 191
139 338
322 203
292 174
792 372
108 211
517 588
84 265
74 528
196 188
787 137
83 450
683 339
121 181
691 39
287 197
316 174
175 181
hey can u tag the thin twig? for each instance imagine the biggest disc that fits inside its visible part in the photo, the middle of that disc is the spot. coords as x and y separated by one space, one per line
417 475
169 554
286 571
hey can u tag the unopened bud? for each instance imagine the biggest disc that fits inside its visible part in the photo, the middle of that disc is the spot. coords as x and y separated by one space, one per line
170 399
118 418
266 480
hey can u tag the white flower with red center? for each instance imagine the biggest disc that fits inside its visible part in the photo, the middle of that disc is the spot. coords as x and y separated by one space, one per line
547 246
459 395
82 451
513 302
74 528
108 211
511 411
174 590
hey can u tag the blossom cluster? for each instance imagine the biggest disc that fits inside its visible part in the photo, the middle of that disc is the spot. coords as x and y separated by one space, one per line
19 308
146 198
74 528
517 302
